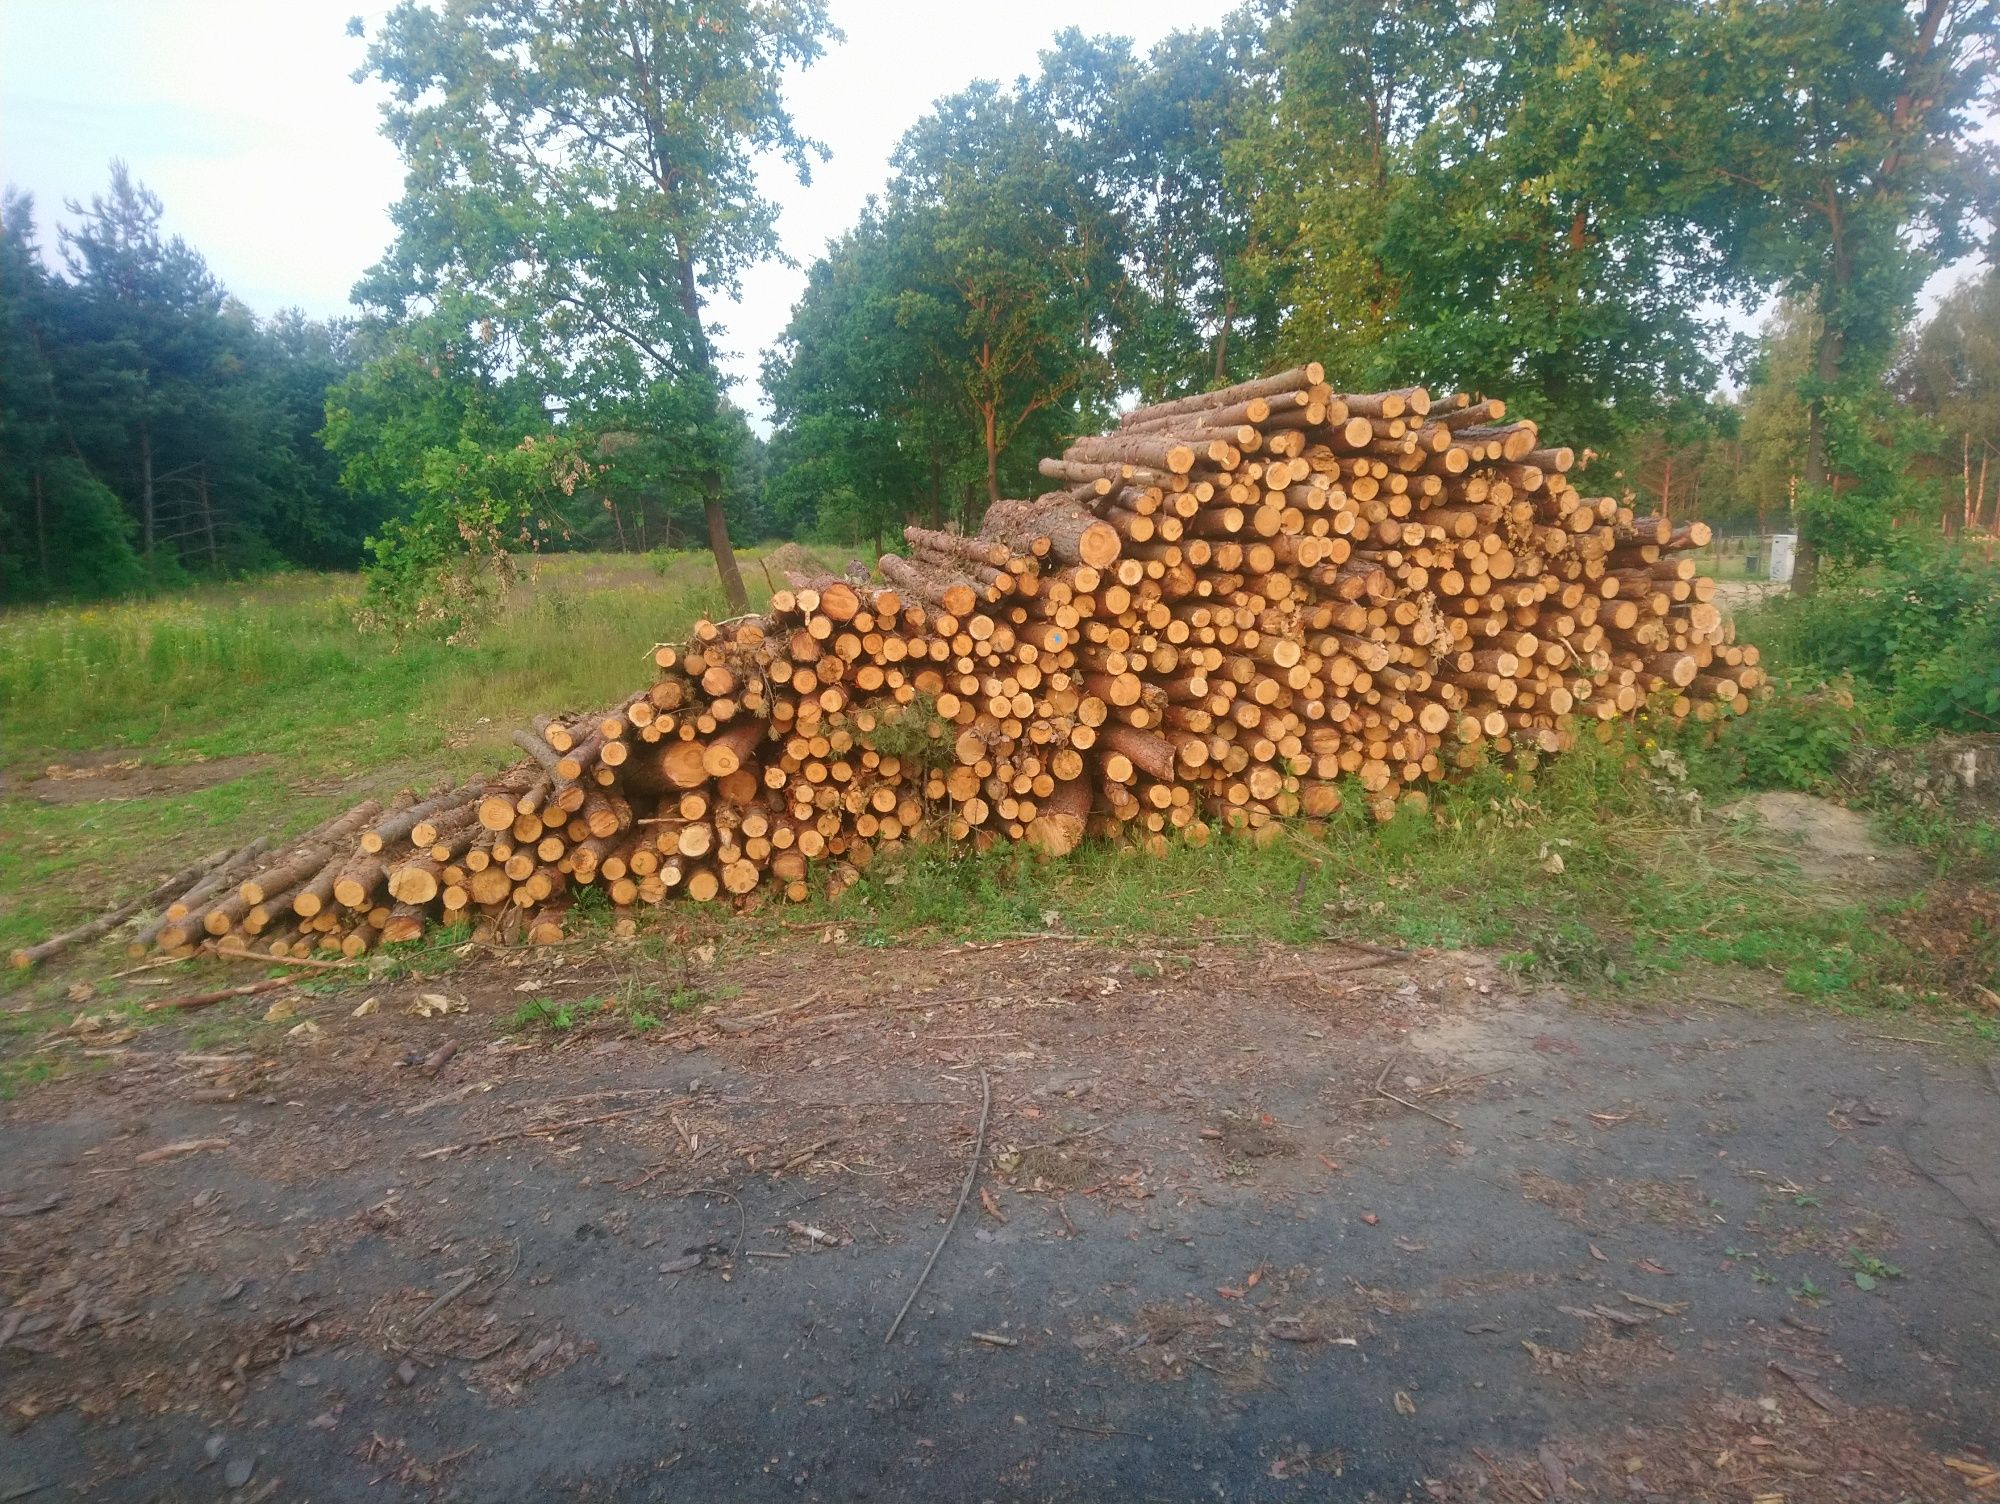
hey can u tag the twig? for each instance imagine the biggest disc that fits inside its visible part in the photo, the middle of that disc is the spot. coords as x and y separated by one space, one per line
1371 963
1063 1425
445 1299
543 1130
994 1339
1418 1107
745 1023
964 1191
153 965
1390 952
742 1217
1064 1138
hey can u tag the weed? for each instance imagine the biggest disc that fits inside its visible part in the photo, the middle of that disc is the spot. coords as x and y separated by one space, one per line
1869 1271
542 1013
18 1074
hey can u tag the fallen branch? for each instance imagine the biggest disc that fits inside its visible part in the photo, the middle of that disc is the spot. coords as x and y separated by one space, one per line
964 1191
176 1150
233 953
1418 1107
205 999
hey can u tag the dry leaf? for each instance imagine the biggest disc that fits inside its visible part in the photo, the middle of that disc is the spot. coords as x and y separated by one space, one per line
304 1033
1404 1404
1251 1282
436 1005
992 1204
281 1010
367 1009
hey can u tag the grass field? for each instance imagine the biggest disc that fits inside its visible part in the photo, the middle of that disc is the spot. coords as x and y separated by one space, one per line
1593 870
276 669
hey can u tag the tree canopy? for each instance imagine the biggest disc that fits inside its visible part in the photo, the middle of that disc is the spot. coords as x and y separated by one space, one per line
153 427
581 186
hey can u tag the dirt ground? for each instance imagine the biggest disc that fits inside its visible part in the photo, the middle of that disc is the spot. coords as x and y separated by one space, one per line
1248 1224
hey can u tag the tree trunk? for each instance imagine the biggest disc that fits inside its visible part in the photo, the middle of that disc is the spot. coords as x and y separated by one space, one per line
1826 370
146 486
711 480
1965 464
207 514
718 544
1222 340
42 526
992 458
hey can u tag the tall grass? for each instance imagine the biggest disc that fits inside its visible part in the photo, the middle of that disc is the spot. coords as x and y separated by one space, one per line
262 666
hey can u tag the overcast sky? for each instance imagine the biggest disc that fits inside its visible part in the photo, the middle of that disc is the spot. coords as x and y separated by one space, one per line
243 116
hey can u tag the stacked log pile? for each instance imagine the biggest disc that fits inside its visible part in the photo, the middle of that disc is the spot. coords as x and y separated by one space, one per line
1237 607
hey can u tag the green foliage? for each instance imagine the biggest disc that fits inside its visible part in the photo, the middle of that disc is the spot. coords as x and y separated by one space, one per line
582 180
1920 632
153 426
954 335
1869 1271
541 1013
1798 738
442 570
910 732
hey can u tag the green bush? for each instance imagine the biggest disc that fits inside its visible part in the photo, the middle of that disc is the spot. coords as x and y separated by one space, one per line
1920 631
1797 738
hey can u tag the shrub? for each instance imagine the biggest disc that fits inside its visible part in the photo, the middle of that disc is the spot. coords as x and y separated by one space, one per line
1921 631
1797 738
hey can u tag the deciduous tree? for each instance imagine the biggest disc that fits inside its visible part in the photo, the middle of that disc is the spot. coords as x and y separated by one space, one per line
582 185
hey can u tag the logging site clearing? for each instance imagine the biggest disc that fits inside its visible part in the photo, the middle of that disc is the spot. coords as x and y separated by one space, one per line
1588 1134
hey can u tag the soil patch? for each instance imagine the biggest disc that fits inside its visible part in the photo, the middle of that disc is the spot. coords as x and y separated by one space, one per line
1834 846
659 1262
112 776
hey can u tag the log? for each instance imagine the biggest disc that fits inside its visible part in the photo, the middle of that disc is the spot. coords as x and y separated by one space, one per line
32 955
1239 602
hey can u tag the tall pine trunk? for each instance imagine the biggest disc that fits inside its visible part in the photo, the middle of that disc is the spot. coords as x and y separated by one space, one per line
1222 340
146 485
208 516
42 528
